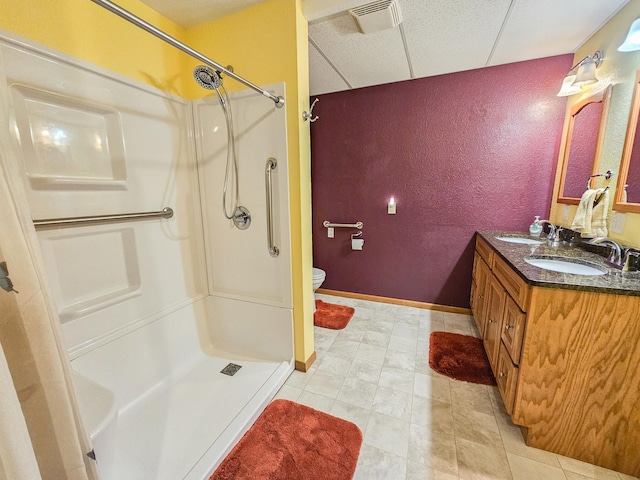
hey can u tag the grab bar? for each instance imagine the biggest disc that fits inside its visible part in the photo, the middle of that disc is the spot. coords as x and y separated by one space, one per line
166 212
272 163
357 225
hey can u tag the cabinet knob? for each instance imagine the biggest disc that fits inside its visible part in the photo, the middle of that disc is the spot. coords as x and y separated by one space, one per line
480 297
502 374
490 321
507 326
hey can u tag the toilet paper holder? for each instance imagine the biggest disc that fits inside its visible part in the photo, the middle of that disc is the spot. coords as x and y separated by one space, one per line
357 242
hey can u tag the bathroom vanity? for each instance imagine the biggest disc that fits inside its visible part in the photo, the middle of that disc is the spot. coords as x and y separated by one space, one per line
564 348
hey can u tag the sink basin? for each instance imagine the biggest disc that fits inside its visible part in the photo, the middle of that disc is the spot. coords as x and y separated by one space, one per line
565 265
524 240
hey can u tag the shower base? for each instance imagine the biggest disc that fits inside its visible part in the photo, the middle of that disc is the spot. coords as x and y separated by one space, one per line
177 415
184 428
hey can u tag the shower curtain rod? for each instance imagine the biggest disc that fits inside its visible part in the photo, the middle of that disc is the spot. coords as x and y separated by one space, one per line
121 12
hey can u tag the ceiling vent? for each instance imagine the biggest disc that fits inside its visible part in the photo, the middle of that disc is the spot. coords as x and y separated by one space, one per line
377 16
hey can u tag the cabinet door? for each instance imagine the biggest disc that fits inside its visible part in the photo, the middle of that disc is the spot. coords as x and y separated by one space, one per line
495 300
513 329
481 274
506 378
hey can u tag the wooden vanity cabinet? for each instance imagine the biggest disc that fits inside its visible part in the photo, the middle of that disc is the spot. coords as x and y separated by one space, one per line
566 362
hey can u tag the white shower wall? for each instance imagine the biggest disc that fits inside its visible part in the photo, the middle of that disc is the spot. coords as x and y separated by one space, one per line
245 282
140 156
250 273
134 155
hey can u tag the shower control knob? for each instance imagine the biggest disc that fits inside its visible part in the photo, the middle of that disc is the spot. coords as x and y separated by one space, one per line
242 218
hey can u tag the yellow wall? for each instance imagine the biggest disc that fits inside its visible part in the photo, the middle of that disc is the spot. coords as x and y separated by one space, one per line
87 31
618 69
266 43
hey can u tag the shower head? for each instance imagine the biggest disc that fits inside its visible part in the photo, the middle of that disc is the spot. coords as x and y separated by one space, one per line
207 77
210 79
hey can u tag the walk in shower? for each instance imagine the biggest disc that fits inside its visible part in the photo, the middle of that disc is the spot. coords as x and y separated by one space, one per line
156 312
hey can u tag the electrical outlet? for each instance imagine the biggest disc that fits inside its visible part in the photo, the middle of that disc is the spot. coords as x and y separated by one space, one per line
566 213
330 232
617 222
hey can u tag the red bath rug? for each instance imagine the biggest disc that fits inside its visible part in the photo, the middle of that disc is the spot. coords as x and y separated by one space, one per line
461 357
291 441
330 315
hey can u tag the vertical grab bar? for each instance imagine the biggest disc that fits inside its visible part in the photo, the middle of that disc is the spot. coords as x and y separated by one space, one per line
272 163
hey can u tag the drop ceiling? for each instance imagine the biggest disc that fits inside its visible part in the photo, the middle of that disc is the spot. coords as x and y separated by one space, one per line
435 36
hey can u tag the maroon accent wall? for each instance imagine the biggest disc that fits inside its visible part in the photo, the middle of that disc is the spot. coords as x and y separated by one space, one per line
468 151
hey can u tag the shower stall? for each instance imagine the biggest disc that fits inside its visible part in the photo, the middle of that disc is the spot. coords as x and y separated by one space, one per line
179 330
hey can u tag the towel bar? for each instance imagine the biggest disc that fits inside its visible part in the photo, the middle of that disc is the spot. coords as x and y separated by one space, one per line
357 225
606 175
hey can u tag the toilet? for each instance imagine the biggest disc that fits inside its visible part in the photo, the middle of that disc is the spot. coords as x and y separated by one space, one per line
318 277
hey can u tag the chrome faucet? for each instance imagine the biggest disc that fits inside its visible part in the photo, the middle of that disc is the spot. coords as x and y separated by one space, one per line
622 258
552 237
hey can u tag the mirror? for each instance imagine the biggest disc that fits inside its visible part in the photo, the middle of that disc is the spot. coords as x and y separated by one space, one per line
580 159
627 197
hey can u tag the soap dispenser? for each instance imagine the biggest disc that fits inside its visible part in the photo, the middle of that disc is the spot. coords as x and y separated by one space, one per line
535 229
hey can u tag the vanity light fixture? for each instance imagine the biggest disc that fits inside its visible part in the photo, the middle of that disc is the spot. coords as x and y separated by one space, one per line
586 74
567 87
581 74
632 42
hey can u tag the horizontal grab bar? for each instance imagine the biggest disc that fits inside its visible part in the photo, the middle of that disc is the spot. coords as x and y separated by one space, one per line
357 225
166 212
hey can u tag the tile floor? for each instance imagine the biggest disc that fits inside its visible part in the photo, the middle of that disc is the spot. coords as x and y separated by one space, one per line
416 423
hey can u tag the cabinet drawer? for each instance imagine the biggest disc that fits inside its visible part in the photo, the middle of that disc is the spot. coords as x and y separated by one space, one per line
484 250
506 378
516 286
513 329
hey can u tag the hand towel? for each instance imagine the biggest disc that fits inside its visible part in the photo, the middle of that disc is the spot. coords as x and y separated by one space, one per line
599 214
582 219
591 221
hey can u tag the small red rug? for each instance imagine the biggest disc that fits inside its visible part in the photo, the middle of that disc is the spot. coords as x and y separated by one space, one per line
330 315
290 441
461 357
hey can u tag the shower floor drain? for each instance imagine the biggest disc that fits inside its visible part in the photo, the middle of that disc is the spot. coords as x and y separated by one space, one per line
231 369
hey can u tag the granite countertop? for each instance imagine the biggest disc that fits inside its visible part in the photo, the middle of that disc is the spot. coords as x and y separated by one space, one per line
614 281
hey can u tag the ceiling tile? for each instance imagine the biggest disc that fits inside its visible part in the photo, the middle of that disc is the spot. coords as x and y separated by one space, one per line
363 60
323 78
446 36
544 28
